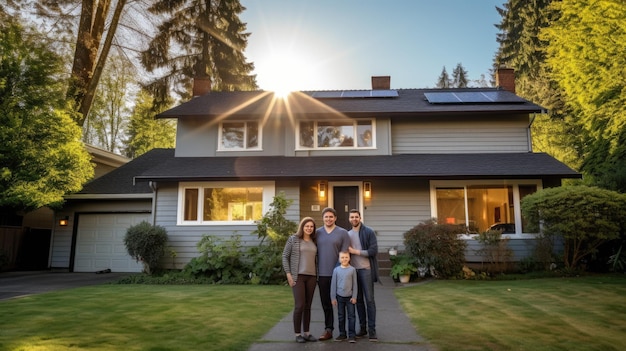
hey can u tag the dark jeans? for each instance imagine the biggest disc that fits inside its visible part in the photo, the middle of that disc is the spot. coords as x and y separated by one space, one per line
344 305
303 298
327 306
365 300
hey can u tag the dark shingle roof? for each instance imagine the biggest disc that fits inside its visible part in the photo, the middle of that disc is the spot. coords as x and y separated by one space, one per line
430 166
120 180
409 102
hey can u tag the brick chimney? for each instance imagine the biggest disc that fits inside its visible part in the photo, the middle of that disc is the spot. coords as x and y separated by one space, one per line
201 85
505 79
381 82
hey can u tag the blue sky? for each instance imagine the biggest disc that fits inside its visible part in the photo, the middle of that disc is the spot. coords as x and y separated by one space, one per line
341 44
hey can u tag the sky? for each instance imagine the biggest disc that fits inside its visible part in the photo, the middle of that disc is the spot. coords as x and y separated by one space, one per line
341 44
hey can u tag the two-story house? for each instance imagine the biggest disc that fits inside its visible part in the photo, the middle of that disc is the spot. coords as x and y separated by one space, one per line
462 156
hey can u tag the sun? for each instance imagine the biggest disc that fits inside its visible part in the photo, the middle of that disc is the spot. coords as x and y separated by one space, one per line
283 72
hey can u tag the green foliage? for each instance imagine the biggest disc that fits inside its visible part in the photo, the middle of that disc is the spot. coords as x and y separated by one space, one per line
145 132
494 250
266 265
585 217
274 225
146 243
198 39
617 261
220 261
437 245
41 155
402 264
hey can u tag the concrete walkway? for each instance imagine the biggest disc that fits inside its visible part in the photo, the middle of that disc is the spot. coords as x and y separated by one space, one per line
393 328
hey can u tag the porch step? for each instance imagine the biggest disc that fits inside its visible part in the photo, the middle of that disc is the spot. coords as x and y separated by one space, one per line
384 264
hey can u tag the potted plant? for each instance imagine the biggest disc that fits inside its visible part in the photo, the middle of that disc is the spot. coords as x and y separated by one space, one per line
402 267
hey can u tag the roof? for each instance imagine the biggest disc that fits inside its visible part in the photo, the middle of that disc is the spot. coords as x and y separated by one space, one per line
429 166
121 180
409 102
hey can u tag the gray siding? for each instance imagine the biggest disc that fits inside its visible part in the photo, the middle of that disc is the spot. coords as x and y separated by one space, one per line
476 136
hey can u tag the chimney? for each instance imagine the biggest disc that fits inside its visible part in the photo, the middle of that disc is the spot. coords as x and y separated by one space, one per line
201 85
505 79
381 82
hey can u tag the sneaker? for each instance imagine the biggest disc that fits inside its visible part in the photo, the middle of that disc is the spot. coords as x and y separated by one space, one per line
373 337
326 336
352 340
361 333
300 339
310 338
341 338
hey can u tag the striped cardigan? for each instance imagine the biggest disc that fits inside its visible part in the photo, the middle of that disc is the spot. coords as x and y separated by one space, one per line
291 257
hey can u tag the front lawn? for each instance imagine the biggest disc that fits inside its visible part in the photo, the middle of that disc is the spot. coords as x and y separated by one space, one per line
583 313
143 317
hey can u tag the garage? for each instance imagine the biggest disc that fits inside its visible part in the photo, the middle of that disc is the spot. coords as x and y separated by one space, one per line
100 242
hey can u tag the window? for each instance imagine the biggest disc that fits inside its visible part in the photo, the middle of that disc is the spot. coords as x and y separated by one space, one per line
239 136
336 134
479 206
225 202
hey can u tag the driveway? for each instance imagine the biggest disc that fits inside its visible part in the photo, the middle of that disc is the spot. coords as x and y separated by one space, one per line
18 284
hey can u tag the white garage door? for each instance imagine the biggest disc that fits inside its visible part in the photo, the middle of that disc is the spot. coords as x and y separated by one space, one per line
100 242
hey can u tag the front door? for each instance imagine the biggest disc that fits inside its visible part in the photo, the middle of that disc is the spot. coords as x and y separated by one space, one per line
345 198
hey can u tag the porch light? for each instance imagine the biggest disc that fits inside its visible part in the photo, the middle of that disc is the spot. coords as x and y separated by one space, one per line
63 221
367 190
321 189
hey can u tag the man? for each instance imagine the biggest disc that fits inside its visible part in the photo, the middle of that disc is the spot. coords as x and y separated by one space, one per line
364 248
331 240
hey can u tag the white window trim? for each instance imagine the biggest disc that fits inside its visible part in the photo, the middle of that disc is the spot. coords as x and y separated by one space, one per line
354 147
269 191
220 146
434 184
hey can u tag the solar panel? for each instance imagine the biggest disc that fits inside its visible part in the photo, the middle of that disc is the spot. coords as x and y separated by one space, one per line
354 94
472 97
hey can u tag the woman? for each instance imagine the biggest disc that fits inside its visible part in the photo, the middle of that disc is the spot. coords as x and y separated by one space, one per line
299 263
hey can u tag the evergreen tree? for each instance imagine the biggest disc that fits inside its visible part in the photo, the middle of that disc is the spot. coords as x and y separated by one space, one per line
459 76
146 133
586 56
41 155
444 79
198 39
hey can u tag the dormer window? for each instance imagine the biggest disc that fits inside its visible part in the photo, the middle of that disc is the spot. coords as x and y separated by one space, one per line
237 136
336 134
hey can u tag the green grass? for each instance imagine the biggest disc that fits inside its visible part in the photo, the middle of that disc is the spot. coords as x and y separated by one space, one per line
583 313
143 317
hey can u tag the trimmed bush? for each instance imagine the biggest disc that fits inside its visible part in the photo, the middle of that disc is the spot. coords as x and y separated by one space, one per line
146 243
437 246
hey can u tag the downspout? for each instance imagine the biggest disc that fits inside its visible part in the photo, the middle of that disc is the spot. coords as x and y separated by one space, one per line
154 187
528 133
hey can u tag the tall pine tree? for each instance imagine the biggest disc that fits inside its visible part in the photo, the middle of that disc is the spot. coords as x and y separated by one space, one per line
198 39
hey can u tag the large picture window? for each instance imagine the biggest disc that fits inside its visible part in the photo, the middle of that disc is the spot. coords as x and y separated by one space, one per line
225 202
239 136
481 205
336 134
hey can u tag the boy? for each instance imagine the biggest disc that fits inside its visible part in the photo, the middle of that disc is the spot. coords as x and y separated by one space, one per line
343 293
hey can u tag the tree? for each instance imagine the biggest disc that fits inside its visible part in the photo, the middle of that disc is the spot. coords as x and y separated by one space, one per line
586 58
146 133
459 76
444 79
200 39
107 120
585 217
41 155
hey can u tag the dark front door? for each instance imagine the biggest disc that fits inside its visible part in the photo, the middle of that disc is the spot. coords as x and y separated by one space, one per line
345 198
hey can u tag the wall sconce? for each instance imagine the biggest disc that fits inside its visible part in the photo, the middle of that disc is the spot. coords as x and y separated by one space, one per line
367 190
63 221
321 189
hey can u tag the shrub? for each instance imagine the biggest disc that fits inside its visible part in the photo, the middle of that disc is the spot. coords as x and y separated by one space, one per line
495 250
146 243
438 246
220 261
